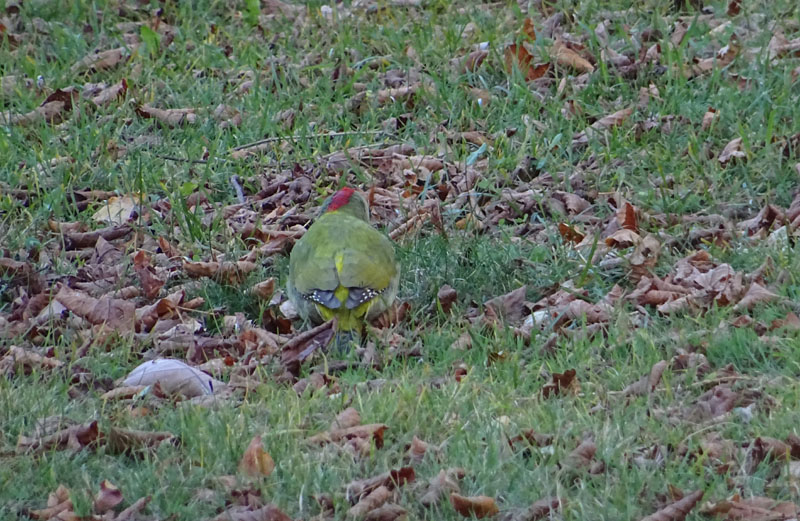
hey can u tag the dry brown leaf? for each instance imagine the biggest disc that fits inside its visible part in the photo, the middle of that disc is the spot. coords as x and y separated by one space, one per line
264 289
387 512
392 479
446 296
57 502
474 60
109 94
604 123
404 93
623 238
151 284
756 294
17 357
371 431
230 272
574 203
581 458
708 118
302 346
517 55
256 462
511 306
346 419
370 502
732 150
570 233
478 506
78 240
647 384
169 117
562 383
756 508
417 450
123 441
247 513
103 60
678 510
715 402
107 498
116 314
723 58
566 57
539 510
75 437
530 436
445 481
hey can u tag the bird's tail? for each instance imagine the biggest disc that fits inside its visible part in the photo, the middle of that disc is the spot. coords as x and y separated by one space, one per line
345 341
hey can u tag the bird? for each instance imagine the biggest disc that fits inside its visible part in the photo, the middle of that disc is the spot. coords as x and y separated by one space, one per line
343 268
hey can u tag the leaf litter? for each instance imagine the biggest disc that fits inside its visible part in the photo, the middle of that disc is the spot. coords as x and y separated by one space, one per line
142 302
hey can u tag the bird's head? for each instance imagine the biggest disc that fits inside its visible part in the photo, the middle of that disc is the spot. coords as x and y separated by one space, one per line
347 201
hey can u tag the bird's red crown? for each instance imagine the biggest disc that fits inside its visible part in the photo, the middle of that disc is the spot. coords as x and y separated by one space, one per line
340 198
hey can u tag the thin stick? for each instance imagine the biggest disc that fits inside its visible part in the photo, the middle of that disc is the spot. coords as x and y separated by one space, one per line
308 136
183 160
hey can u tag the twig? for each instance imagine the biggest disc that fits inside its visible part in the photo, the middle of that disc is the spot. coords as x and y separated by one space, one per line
308 136
184 160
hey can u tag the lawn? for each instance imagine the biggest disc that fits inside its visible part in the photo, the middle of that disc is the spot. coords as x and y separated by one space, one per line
595 207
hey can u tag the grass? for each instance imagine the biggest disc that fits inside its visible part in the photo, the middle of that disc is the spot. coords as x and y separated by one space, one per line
293 66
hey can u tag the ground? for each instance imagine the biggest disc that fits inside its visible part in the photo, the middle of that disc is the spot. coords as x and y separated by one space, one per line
595 210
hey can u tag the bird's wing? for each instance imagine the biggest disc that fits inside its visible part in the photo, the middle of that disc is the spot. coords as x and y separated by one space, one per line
347 252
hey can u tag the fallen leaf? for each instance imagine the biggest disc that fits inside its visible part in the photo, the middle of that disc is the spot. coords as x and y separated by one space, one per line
387 512
109 94
647 384
478 506
541 509
116 314
511 306
517 55
151 284
125 441
264 289
392 479
107 498
568 58
678 510
732 150
581 458
445 481
230 272
302 346
417 450
256 462
756 508
119 210
17 357
370 502
561 383
715 402
169 117
570 233
103 60
346 419
446 296
708 118
369 431
75 437
248 513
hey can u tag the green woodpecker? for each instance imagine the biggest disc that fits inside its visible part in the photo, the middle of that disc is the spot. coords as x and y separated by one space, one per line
342 267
